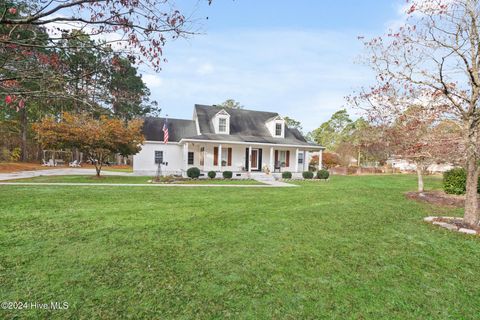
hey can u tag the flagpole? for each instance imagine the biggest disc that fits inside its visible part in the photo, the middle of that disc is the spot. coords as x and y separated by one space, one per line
159 167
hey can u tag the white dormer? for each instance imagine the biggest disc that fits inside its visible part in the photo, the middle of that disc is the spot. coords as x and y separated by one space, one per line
221 122
276 126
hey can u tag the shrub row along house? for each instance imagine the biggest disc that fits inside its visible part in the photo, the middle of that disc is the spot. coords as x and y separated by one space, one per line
220 139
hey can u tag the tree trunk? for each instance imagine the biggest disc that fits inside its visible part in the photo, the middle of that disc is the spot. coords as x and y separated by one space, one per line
420 178
98 165
23 132
98 168
471 197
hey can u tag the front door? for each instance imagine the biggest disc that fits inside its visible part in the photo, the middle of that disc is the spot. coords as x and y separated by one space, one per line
254 159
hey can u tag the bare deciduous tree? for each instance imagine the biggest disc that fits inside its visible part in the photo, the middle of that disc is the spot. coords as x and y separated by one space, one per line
437 50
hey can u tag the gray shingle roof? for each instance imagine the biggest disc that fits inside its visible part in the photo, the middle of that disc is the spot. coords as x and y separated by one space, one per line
177 129
245 126
242 122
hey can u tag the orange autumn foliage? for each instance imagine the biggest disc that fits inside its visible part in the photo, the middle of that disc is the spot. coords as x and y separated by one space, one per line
96 138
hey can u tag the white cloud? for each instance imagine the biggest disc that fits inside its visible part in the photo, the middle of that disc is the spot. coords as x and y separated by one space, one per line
205 69
152 81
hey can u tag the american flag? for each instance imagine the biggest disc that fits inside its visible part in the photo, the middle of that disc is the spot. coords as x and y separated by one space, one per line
165 131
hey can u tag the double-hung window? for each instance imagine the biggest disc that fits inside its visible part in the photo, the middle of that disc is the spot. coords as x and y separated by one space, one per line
300 158
158 157
278 129
225 157
190 158
222 125
202 156
282 157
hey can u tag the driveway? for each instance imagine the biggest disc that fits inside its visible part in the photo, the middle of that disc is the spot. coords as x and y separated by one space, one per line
58 172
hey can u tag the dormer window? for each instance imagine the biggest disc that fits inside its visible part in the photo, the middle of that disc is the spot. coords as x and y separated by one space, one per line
221 122
222 125
278 129
276 126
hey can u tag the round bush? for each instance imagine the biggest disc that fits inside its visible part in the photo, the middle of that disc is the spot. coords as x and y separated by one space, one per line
212 174
323 174
193 173
286 175
455 181
227 174
307 175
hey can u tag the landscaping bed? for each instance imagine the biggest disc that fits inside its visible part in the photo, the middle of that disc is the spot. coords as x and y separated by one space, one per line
437 197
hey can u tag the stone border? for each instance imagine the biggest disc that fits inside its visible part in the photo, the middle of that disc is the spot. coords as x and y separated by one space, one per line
449 226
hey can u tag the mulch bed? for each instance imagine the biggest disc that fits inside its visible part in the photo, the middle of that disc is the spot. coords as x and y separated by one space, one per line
438 198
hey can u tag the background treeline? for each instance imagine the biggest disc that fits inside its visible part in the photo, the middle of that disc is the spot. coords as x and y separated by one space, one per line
80 57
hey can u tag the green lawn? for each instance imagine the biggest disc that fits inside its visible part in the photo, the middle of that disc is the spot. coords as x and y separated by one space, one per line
124 179
350 248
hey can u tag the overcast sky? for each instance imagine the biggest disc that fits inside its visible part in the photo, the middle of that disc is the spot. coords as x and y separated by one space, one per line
297 58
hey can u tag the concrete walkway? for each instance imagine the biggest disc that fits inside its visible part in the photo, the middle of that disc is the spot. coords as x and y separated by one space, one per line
58 172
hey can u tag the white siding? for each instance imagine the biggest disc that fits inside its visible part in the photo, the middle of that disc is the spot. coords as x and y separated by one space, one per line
144 161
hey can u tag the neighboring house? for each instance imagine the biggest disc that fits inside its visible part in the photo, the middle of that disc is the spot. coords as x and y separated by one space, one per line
220 139
405 165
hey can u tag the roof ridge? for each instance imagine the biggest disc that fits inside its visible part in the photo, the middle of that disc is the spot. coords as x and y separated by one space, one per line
240 109
150 117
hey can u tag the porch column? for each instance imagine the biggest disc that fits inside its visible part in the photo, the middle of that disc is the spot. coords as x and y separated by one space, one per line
250 159
202 156
219 157
185 156
320 160
272 164
296 160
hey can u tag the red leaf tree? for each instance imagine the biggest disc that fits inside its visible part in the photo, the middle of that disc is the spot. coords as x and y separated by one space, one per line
436 50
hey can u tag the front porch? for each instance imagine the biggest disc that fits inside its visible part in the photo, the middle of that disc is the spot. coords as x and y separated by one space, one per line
243 159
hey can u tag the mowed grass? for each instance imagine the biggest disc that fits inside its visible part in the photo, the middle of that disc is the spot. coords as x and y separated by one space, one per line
124 179
350 248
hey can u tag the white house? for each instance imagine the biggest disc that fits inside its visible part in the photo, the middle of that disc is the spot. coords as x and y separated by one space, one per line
405 165
219 139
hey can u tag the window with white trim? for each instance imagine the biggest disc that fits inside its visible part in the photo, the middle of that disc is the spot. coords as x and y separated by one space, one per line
202 156
190 158
278 129
282 157
225 157
158 157
300 158
222 125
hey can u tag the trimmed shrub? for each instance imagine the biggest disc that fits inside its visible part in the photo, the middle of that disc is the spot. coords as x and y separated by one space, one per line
455 181
227 174
212 174
193 173
323 174
286 175
307 175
